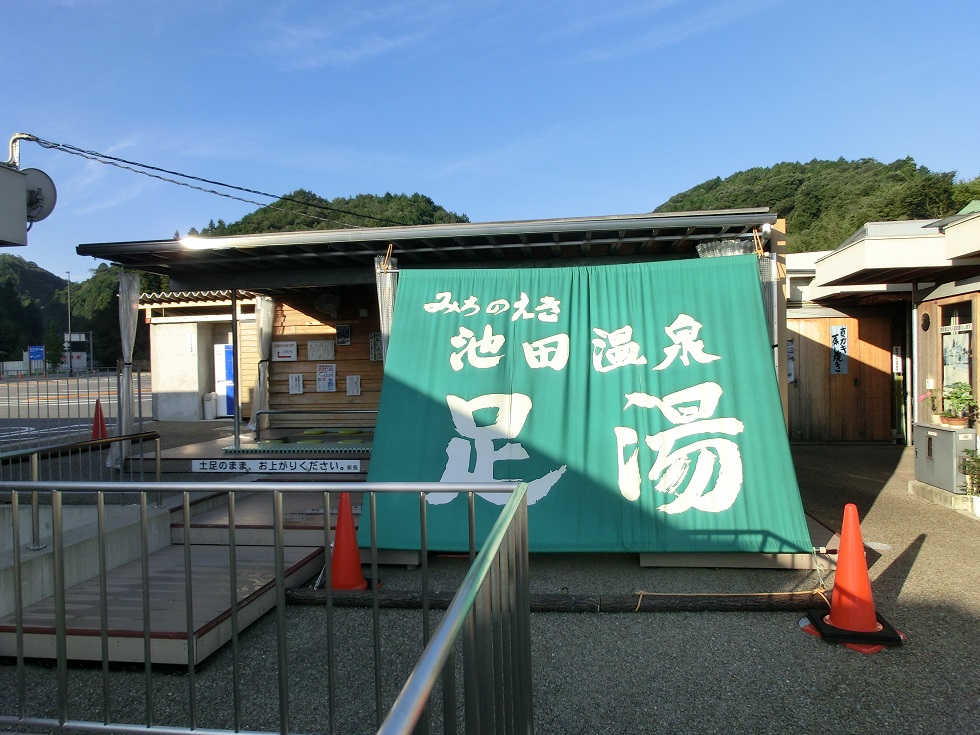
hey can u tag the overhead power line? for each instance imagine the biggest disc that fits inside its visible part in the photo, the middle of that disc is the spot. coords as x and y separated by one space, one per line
146 169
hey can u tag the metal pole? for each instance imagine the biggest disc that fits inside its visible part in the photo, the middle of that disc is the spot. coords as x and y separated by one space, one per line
235 377
36 544
68 341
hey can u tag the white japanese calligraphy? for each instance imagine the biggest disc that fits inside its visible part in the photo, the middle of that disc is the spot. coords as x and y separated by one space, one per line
480 353
615 349
547 310
713 458
472 455
551 352
683 332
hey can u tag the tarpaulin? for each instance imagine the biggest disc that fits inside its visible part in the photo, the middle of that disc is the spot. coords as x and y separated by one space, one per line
638 401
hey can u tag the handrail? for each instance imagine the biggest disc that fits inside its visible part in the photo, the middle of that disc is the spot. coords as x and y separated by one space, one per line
267 486
46 452
34 455
411 701
495 585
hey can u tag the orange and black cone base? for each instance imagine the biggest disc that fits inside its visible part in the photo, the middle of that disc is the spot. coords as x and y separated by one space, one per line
345 566
852 620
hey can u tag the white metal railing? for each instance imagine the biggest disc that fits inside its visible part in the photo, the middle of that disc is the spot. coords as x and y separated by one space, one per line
485 633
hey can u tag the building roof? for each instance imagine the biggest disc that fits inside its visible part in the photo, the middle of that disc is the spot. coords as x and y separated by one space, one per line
285 261
891 253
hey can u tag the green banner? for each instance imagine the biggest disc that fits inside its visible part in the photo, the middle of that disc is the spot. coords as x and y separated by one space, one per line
639 402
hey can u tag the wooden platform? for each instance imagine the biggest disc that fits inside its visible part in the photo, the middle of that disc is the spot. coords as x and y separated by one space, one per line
290 447
169 643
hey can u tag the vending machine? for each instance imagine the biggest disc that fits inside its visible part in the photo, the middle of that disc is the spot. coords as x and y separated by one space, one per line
224 379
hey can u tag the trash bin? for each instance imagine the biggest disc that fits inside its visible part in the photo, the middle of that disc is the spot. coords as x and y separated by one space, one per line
210 406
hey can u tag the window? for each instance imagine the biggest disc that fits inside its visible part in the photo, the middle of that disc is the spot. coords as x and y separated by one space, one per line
957 334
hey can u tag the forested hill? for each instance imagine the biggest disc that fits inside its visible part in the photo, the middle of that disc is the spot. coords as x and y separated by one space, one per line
304 210
29 279
825 202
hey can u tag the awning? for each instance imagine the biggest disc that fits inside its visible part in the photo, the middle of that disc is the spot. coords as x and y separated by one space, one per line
275 263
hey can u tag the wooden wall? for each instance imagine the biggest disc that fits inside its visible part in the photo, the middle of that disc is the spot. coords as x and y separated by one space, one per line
856 406
929 348
248 363
297 319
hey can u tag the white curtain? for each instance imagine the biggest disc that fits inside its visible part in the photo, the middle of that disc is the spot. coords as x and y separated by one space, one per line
129 296
265 308
386 276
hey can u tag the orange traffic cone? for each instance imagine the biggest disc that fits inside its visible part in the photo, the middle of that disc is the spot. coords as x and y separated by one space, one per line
345 566
852 619
98 422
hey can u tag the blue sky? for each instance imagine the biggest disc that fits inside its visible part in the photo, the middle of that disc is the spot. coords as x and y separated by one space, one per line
499 110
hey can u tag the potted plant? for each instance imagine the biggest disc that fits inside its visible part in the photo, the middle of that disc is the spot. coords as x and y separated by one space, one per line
933 404
970 467
959 403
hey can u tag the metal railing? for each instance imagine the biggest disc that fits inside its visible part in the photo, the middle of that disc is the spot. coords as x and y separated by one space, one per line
35 410
73 462
491 613
480 649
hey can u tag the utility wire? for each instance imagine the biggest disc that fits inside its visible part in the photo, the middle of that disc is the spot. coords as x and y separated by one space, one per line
136 167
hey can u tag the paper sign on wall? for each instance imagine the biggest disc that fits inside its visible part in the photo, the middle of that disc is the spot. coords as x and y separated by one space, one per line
283 352
296 384
320 350
353 385
838 350
326 378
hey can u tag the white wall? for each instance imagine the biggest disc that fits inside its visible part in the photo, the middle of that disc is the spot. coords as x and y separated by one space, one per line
183 370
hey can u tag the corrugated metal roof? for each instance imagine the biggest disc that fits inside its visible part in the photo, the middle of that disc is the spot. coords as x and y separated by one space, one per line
291 262
178 298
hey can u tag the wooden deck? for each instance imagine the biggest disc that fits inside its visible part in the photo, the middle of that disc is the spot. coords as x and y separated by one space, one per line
169 641
303 540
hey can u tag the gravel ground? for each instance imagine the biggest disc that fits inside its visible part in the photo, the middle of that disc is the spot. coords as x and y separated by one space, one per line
648 672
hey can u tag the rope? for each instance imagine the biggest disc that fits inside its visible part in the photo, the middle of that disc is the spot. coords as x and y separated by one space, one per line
387 260
818 590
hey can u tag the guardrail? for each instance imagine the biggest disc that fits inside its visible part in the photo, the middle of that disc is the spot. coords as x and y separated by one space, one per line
485 633
35 410
70 461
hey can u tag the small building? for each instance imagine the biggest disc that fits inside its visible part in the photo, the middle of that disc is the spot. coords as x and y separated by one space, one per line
907 292
327 297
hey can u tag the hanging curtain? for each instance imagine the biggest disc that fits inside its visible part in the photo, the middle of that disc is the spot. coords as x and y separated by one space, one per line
129 295
265 308
386 274
638 401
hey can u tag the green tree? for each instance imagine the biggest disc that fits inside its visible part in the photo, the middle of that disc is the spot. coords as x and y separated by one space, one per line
825 202
304 210
965 192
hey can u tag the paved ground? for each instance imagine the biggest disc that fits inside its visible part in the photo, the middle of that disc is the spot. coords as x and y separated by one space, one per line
686 672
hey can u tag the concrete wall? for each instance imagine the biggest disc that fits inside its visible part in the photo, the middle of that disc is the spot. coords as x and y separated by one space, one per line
183 369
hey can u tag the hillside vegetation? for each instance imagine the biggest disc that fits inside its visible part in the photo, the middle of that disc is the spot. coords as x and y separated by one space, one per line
825 202
304 210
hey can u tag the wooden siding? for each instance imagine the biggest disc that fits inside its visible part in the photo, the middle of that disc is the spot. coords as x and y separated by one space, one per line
930 349
856 406
298 320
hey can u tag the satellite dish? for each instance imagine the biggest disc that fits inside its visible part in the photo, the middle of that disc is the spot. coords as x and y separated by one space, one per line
41 194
